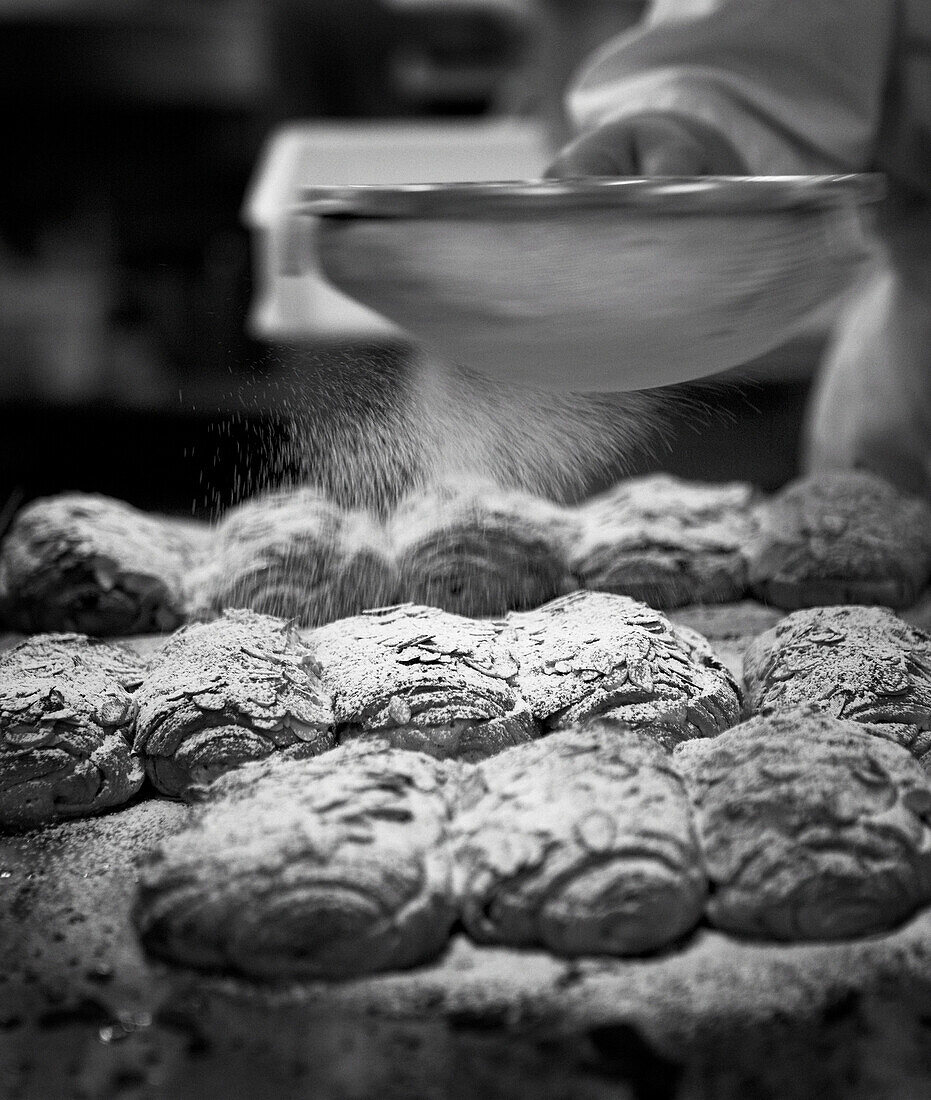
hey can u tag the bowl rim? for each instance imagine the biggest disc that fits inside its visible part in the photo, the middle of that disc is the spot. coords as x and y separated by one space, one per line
655 194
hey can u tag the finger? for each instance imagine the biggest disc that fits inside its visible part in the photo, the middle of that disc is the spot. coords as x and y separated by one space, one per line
671 158
674 147
596 154
589 162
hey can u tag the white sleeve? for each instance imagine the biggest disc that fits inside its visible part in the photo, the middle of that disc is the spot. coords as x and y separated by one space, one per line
797 85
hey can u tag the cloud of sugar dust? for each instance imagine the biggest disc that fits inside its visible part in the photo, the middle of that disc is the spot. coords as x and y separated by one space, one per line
367 426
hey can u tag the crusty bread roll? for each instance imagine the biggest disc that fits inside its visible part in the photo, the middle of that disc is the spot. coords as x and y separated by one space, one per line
296 555
480 551
220 693
862 663
89 563
258 517
666 541
321 868
841 537
593 654
423 679
65 717
812 827
582 843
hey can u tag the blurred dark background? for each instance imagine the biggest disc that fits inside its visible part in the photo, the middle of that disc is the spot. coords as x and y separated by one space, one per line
133 129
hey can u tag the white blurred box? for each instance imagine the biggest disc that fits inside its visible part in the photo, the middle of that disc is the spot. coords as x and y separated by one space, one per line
287 306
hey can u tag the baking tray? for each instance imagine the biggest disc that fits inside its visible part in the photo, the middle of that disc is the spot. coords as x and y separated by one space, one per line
83 1012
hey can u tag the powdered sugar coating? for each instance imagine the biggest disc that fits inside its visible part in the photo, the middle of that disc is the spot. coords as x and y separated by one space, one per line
581 842
309 868
480 551
83 562
666 541
65 714
221 693
596 654
862 663
841 537
296 555
425 679
811 827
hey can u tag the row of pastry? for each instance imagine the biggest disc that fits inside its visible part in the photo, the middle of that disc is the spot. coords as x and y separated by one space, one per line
82 722
217 694
591 841
809 820
516 777
95 565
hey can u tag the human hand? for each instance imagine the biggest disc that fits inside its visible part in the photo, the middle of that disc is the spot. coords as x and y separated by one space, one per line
649 145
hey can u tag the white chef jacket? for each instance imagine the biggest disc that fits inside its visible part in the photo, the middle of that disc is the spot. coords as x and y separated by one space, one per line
799 86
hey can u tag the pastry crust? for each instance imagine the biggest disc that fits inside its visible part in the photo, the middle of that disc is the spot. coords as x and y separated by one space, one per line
296 555
480 552
82 562
812 828
65 714
423 679
666 541
322 868
862 663
596 654
845 537
582 843
221 693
